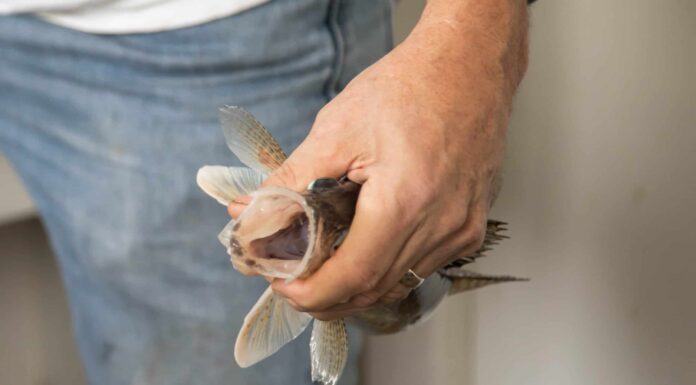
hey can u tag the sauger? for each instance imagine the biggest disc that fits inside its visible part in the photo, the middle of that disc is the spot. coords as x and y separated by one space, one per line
288 234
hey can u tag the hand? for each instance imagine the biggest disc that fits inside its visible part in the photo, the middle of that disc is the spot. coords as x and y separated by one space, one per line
423 130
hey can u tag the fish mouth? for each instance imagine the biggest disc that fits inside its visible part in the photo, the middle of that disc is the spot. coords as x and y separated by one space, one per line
289 243
274 235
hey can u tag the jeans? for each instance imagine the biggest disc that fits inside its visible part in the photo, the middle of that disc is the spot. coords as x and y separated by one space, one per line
108 131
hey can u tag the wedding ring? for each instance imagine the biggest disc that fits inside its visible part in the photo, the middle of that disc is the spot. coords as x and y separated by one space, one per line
411 280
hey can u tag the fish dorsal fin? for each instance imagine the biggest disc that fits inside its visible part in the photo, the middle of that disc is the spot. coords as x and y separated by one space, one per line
465 280
329 350
493 236
270 325
250 141
228 183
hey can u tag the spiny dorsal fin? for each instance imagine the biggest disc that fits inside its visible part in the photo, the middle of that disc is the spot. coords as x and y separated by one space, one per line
225 184
329 350
250 141
465 280
493 236
270 325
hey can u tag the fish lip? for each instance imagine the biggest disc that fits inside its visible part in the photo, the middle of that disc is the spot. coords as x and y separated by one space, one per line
300 199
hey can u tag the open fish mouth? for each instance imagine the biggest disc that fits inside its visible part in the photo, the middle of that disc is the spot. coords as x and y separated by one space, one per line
275 234
289 243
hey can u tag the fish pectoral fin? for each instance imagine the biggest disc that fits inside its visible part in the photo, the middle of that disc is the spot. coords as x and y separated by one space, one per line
465 280
270 324
329 350
250 141
225 184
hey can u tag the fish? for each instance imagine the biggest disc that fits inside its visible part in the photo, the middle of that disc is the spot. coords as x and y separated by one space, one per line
288 234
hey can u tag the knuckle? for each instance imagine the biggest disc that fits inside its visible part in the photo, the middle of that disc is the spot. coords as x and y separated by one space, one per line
365 281
475 235
322 116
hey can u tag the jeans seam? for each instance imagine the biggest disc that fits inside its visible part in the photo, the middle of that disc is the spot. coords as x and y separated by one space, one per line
389 21
331 88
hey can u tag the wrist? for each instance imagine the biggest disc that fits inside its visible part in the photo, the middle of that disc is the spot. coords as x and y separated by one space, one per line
486 39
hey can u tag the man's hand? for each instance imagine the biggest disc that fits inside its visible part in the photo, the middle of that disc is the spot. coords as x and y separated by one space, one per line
423 130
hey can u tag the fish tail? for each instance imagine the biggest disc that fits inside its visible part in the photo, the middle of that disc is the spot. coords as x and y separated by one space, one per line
329 349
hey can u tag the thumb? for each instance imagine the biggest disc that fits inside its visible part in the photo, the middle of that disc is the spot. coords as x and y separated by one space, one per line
313 159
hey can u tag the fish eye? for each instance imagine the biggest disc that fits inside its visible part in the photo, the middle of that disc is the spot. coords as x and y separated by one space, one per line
323 183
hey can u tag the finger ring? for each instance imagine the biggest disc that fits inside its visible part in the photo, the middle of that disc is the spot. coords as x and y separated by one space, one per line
411 280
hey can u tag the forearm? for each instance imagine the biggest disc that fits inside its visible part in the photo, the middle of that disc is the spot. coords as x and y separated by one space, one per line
483 37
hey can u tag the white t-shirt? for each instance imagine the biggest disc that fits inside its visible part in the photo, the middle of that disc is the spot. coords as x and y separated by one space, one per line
127 16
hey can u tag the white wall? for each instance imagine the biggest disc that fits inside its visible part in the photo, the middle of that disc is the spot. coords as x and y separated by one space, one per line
600 193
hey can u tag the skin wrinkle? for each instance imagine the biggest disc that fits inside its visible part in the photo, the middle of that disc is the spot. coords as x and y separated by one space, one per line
373 296
424 130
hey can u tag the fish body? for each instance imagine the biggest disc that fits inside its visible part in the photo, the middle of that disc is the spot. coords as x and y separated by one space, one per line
288 234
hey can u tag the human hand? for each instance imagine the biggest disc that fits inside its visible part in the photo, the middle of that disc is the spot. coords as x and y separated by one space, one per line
423 131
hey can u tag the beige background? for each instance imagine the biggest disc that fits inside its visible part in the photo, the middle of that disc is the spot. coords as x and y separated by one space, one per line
600 195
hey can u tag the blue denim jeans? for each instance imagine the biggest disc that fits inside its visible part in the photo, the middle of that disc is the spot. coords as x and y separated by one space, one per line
108 132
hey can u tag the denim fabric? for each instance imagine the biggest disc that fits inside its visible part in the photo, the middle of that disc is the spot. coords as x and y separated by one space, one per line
108 132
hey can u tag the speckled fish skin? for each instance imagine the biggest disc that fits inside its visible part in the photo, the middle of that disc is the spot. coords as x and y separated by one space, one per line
334 209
